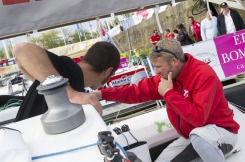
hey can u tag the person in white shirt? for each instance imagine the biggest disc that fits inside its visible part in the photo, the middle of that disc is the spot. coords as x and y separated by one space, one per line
229 21
209 28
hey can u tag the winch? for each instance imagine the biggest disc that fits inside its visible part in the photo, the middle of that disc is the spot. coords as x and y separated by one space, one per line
61 116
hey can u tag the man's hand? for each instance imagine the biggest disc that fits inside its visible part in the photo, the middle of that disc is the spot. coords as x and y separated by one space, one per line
84 98
165 85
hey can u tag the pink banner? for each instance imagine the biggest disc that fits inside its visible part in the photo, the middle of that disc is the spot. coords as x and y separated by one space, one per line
231 52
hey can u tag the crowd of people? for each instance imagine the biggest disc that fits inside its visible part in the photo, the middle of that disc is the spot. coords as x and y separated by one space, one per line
228 21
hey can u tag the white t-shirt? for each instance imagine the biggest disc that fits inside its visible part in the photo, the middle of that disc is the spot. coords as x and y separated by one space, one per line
209 28
229 24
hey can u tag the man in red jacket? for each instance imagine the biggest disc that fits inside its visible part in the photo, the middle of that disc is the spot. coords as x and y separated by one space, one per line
155 37
195 104
168 34
196 29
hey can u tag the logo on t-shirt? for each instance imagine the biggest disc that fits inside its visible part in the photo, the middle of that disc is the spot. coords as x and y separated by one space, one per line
185 93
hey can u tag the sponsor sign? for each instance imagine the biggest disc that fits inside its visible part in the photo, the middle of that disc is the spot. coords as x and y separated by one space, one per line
121 81
231 53
123 63
124 77
225 54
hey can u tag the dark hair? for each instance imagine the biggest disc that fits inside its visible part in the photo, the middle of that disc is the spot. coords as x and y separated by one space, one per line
190 17
101 56
180 26
167 30
154 31
176 31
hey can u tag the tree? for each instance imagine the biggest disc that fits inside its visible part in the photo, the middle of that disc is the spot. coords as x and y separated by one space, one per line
127 15
49 39
105 26
96 34
3 54
9 48
76 36
116 21
88 36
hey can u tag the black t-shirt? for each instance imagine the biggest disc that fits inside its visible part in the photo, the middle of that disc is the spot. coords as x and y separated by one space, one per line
35 104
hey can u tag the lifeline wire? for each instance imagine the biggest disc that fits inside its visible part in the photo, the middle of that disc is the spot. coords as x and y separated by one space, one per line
124 152
66 151
75 149
125 138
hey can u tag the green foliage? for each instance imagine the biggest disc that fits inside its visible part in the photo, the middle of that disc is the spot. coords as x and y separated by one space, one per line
144 51
88 36
127 15
76 36
54 38
9 47
50 39
2 52
116 21
96 34
105 26
127 54
141 52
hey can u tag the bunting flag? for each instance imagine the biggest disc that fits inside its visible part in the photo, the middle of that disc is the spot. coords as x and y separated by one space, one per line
80 35
64 38
106 37
83 31
63 35
102 31
91 31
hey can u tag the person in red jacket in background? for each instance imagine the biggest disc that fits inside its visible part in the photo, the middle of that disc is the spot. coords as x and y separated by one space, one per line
195 104
155 38
196 29
168 34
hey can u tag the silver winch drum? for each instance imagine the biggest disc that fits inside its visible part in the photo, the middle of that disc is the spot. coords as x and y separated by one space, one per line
61 116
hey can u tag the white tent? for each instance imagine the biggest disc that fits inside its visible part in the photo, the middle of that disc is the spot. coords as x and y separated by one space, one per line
22 16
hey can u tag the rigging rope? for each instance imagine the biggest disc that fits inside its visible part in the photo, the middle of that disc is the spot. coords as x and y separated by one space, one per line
10 103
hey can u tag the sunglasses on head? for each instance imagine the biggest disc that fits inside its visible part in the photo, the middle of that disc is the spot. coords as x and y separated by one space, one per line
160 49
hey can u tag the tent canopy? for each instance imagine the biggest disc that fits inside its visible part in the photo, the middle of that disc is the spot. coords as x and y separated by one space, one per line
22 16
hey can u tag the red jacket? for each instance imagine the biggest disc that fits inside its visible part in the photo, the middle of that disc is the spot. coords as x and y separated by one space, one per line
170 35
196 29
197 98
155 38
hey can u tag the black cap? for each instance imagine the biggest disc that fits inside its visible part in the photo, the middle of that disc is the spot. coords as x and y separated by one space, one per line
223 5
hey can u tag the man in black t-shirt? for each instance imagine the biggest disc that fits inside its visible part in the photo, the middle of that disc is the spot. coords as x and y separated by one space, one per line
98 65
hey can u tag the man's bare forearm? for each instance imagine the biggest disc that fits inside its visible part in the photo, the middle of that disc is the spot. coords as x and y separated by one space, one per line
33 61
